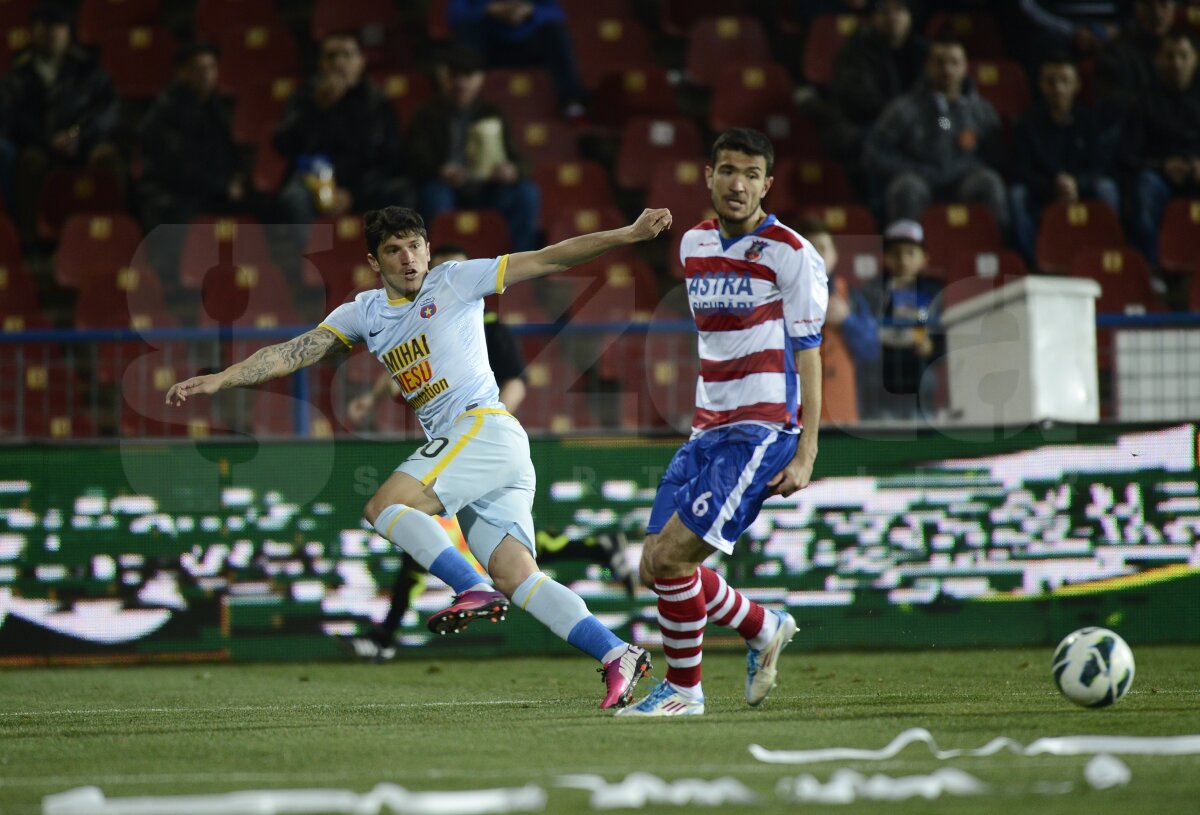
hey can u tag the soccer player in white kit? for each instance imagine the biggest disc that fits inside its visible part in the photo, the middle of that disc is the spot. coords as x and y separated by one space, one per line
426 326
758 293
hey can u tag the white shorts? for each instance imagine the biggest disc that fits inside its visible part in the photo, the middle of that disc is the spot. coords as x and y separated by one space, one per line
481 472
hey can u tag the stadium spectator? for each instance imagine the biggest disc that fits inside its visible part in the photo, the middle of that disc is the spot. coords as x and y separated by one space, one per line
340 138
58 108
1125 66
1163 139
940 141
881 61
758 294
1059 153
463 154
805 10
908 305
522 34
190 163
851 337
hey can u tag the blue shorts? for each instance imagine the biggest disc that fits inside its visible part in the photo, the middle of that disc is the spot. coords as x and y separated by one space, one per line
717 482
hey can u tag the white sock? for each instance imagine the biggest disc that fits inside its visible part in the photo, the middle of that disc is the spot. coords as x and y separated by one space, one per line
694 693
763 638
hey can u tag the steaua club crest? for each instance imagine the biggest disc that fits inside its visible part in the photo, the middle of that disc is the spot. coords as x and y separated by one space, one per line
755 251
428 309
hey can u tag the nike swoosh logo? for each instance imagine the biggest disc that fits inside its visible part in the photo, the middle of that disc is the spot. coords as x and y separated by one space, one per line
373 333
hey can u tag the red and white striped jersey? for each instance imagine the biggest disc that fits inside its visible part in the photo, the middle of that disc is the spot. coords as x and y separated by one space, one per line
756 300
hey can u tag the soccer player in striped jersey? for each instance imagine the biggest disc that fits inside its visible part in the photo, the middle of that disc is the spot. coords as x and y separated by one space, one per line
426 326
758 293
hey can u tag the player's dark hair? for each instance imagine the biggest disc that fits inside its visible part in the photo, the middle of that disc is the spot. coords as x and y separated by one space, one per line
744 140
381 224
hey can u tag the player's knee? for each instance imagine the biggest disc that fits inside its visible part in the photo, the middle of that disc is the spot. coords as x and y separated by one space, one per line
510 565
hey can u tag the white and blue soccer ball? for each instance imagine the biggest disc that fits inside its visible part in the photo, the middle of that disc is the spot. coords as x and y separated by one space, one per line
1093 667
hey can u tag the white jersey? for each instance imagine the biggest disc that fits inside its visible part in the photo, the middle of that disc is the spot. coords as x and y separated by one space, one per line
756 299
432 344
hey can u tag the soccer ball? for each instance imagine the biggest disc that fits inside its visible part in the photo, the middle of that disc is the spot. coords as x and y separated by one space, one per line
1093 667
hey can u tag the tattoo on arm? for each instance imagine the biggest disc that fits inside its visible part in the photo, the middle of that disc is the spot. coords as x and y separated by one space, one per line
279 360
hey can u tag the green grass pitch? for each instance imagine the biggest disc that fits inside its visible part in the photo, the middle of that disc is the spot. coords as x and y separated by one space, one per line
458 724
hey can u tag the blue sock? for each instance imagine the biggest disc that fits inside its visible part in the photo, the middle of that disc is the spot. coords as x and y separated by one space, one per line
423 538
593 638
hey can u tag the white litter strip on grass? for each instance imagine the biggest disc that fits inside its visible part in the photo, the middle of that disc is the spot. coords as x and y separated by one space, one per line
640 789
1058 746
384 798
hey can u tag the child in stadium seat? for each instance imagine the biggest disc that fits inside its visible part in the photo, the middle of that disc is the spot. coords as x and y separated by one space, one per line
908 304
758 294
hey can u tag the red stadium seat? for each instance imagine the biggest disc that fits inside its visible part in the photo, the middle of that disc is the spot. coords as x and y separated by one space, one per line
826 36
748 95
333 240
521 92
972 274
10 242
483 233
95 244
1067 228
141 60
556 398
18 292
122 298
819 182
70 190
1124 278
343 273
794 135
1003 83
255 55
246 294
406 90
643 91
369 18
211 241
717 42
1179 235
259 108
848 219
677 17
1194 289
613 288
98 19
519 305
49 403
609 44
680 187
213 18
573 185
14 13
545 141
572 222
668 380
270 168
143 392
953 229
437 24
980 33
647 141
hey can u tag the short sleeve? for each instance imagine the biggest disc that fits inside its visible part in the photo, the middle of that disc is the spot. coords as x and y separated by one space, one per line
476 279
346 322
805 289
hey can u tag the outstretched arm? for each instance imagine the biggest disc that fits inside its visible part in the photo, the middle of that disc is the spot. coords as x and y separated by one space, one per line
267 363
581 249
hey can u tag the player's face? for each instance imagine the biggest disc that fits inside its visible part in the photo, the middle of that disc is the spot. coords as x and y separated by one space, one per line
402 261
738 183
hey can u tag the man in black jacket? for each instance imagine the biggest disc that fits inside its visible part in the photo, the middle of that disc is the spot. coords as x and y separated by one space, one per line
58 108
1162 139
463 154
1125 66
340 138
1059 153
190 163
880 62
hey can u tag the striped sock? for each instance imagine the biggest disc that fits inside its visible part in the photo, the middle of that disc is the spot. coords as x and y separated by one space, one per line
730 608
681 618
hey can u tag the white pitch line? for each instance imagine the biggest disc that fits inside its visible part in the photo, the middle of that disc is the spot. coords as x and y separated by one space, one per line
276 708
